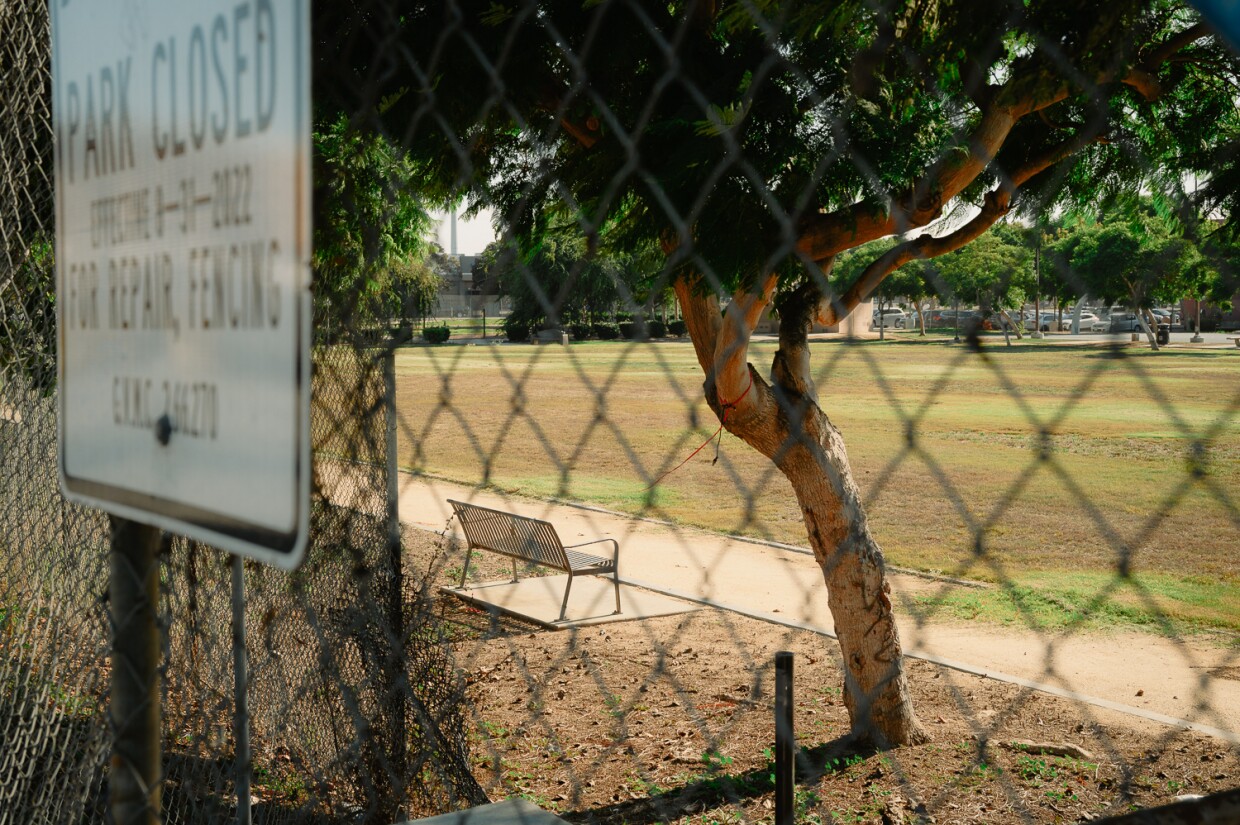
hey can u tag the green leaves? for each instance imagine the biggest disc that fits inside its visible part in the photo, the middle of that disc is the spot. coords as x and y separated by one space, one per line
1130 252
733 124
370 228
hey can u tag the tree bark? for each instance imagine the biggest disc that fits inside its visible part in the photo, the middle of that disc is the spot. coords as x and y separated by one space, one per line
783 421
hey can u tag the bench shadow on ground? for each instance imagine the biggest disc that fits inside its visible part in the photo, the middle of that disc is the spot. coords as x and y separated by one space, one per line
592 601
713 787
462 621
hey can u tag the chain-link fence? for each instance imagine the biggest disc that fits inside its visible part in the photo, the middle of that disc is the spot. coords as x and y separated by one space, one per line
682 195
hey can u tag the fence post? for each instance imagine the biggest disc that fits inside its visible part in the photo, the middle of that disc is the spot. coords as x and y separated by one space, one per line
785 741
241 702
133 590
396 684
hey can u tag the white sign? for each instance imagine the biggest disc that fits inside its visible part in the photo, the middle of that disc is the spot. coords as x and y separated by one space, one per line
182 252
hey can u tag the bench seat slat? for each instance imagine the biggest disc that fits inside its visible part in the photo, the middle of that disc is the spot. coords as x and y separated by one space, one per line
586 561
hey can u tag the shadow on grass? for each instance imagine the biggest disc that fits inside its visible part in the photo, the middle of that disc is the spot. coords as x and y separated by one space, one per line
713 786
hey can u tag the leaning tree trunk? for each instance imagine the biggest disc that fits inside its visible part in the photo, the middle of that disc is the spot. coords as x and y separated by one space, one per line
782 420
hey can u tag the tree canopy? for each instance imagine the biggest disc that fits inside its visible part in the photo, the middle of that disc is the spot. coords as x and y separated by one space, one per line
1131 252
771 137
370 248
559 280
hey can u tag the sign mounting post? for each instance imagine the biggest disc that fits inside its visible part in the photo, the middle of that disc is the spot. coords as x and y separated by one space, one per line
182 252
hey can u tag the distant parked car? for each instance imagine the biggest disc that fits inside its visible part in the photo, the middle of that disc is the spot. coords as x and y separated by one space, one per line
1046 323
948 317
1124 322
998 321
891 319
1089 323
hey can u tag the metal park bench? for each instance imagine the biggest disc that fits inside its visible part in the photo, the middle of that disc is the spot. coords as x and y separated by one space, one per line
535 541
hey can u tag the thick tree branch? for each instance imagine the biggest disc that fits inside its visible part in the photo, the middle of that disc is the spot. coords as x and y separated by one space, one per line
731 361
702 320
1144 77
825 235
790 370
1146 83
1173 44
996 205
924 246
579 134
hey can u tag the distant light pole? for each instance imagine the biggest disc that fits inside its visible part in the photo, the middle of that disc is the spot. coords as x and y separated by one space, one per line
1037 288
956 304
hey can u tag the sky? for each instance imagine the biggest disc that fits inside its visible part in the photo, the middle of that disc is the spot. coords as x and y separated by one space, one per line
472 236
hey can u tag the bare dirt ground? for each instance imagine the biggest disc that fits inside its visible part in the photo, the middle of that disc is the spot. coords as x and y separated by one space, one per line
671 719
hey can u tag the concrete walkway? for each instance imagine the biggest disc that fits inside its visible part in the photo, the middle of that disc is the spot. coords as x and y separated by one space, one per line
1163 680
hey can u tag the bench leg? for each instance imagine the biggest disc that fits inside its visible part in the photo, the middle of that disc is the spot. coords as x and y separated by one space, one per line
615 580
514 570
465 570
564 606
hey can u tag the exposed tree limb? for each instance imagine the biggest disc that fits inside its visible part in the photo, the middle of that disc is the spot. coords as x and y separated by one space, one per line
924 246
790 370
702 320
1174 43
1146 83
824 235
580 135
731 361
996 205
1144 78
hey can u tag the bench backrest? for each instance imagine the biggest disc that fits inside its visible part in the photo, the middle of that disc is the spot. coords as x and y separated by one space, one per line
512 535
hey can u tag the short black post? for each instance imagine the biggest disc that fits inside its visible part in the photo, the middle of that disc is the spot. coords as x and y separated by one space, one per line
785 741
134 784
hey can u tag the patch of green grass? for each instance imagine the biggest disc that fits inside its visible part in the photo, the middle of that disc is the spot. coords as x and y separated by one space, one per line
290 787
1056 600
453 573
615 705
1060 776
608 492
715 761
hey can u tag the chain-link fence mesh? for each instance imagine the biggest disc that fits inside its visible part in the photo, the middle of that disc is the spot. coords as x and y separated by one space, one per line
679 193
354 709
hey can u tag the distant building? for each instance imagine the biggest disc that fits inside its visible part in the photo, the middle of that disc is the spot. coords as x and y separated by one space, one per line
457 272
1212 317
466 289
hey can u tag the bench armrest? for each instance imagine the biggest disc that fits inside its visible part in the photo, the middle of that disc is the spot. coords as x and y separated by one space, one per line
615 555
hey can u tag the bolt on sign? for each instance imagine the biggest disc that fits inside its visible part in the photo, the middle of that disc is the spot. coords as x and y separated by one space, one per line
182 257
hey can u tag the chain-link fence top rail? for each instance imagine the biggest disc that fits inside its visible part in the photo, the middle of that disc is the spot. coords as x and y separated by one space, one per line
746 174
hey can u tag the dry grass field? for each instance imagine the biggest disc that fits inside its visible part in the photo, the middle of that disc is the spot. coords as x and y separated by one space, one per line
1038 465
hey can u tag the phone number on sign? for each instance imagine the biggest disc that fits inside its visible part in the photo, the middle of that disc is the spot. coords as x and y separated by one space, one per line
191 408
